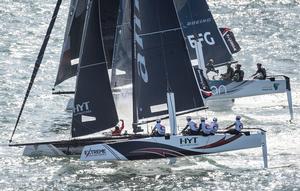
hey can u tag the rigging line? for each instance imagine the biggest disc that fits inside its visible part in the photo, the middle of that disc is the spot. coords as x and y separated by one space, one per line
37 63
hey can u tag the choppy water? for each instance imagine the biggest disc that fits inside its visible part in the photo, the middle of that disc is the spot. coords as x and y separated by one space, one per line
268 32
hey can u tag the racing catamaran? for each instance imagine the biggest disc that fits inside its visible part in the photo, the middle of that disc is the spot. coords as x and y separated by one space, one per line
219 44
161 72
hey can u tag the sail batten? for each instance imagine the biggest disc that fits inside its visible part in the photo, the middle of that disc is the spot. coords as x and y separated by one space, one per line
92 65
159 32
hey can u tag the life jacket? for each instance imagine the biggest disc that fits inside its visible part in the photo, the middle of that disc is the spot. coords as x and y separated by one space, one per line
238 125
214 126
160 129
193 126
205 128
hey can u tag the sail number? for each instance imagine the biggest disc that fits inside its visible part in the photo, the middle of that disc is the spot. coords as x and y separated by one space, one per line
218 90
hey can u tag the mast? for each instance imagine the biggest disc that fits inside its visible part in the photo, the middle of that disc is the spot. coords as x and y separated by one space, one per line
134 105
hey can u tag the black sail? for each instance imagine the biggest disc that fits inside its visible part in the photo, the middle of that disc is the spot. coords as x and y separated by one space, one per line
72 41
196 20
73 35
94 108
109 15
121 65
162 61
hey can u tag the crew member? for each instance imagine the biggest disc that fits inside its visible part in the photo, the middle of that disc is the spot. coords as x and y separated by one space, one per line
214 126
159 129
191 126
204 127
117 131
229 73
210 66
260 73
238 126
238 74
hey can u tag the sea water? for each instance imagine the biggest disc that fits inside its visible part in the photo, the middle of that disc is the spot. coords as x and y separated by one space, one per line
268 32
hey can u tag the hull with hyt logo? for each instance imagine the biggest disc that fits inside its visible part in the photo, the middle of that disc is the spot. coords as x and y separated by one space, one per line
172 146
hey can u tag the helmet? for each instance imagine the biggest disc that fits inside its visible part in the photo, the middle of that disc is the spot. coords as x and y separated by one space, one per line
202 119
158 120
188 118
238 117
215 119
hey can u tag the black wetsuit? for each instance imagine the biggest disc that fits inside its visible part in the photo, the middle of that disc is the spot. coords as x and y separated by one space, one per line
238 75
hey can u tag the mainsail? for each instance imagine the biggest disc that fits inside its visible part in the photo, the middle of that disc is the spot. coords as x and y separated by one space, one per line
162 61
108 12
94 108
198 23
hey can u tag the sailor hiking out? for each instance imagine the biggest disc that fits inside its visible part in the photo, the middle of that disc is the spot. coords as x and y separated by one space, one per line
191 127
159 129
238 126
214 126
205 129
238 74
260 73
229 73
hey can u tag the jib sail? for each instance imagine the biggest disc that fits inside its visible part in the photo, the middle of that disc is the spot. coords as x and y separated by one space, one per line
94 108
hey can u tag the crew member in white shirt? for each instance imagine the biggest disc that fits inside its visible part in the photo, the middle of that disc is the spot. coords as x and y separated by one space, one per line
191 126
214 126
238 126
159 129
205 128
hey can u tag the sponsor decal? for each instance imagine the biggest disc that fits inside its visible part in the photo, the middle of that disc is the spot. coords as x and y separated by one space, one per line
267 88
188 141
202 37
95 152
220 142
141 63
82 108
199 21
276 86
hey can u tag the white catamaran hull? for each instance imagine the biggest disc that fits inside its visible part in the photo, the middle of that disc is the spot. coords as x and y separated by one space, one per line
223 90
173 146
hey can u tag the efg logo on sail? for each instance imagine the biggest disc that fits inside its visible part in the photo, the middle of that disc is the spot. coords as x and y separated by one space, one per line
202 37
